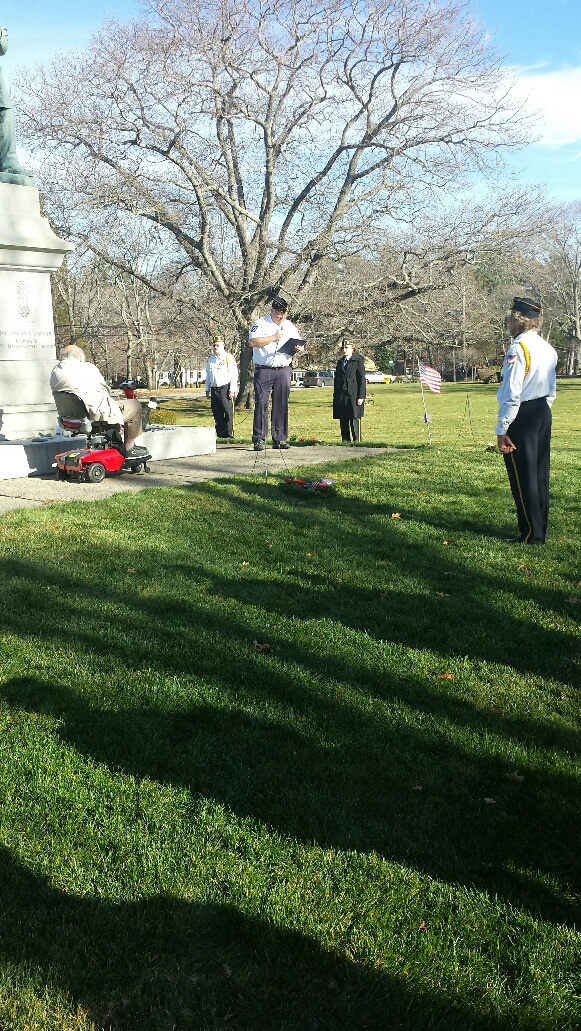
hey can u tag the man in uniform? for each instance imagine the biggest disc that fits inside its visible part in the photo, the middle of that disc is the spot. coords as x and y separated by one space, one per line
221 387
272 374
523 429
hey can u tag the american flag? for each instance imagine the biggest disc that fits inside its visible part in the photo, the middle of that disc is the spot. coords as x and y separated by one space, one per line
430 377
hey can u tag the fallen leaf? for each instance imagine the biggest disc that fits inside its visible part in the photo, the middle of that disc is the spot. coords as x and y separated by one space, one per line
490 801
515 776
446 676
311 554
442 594
261 647
131 570
522 565
218 599
422 926
451 541
574 600
395 515
246 563
417 787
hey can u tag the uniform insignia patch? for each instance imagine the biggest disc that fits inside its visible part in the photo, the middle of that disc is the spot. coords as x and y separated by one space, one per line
254 327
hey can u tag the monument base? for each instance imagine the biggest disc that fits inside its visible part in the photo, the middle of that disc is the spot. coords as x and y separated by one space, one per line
36 457
22 178
22 422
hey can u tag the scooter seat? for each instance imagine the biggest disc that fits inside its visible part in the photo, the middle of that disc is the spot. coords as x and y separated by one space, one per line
75 425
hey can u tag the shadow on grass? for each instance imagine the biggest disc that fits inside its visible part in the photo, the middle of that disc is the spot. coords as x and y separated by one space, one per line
350 783
465 622
480 504
165 965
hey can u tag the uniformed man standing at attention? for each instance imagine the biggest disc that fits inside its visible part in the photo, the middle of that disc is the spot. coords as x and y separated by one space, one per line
221 387
270 338
523 430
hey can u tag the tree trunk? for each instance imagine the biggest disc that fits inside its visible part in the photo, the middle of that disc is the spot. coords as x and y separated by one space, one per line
149 375
245 396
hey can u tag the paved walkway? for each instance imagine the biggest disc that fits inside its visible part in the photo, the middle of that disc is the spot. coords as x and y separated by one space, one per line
229 460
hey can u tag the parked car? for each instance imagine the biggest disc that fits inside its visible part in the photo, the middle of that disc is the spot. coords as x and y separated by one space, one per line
318 378
376 376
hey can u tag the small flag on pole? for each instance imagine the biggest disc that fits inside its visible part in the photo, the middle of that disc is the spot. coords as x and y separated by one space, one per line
430 377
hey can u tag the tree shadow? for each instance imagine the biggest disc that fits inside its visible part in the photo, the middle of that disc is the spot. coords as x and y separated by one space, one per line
329 789
411 796
162 964
415 620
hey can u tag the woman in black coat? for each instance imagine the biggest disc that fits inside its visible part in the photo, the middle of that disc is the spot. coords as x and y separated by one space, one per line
349 390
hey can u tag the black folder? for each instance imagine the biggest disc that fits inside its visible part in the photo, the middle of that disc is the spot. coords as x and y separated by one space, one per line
290 346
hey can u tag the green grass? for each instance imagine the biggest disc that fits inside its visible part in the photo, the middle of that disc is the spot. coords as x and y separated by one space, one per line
290 763
463 415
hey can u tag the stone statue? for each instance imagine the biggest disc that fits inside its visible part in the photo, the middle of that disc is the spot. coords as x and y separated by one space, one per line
11 171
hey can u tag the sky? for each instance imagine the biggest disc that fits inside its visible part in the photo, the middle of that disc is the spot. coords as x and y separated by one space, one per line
540 41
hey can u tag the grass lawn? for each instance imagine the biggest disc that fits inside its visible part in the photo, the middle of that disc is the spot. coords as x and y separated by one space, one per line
464 414
285 762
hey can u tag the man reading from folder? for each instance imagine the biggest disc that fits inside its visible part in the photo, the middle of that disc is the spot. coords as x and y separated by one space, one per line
274 340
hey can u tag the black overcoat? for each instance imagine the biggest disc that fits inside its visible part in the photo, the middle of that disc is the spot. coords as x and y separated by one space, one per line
348 386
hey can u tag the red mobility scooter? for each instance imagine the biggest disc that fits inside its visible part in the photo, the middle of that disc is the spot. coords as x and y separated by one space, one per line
104 452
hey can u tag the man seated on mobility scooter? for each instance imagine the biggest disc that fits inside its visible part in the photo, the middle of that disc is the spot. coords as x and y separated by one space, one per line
80 393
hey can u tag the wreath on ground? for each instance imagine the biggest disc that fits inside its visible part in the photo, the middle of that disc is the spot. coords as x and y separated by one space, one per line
320 488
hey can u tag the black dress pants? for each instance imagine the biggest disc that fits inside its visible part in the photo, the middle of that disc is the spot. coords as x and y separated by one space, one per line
528 468
222 410
349 429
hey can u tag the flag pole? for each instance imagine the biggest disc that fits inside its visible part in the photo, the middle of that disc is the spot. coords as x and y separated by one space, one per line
426 420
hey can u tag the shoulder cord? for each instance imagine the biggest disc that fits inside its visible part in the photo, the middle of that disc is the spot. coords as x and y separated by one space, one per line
527 355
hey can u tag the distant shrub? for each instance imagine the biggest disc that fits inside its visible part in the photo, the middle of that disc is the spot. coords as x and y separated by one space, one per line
163 417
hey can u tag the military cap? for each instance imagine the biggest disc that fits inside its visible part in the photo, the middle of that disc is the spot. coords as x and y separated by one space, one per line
526 306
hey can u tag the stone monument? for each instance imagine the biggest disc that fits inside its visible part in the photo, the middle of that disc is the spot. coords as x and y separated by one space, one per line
29 252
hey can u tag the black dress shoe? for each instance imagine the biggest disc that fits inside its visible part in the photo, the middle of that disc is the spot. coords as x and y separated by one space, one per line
259 446
280 445
521 540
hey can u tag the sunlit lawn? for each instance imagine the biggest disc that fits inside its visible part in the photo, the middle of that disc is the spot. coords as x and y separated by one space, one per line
297 763
463 414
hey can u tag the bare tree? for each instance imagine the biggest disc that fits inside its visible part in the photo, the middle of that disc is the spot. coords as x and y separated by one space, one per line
261 139
563 272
